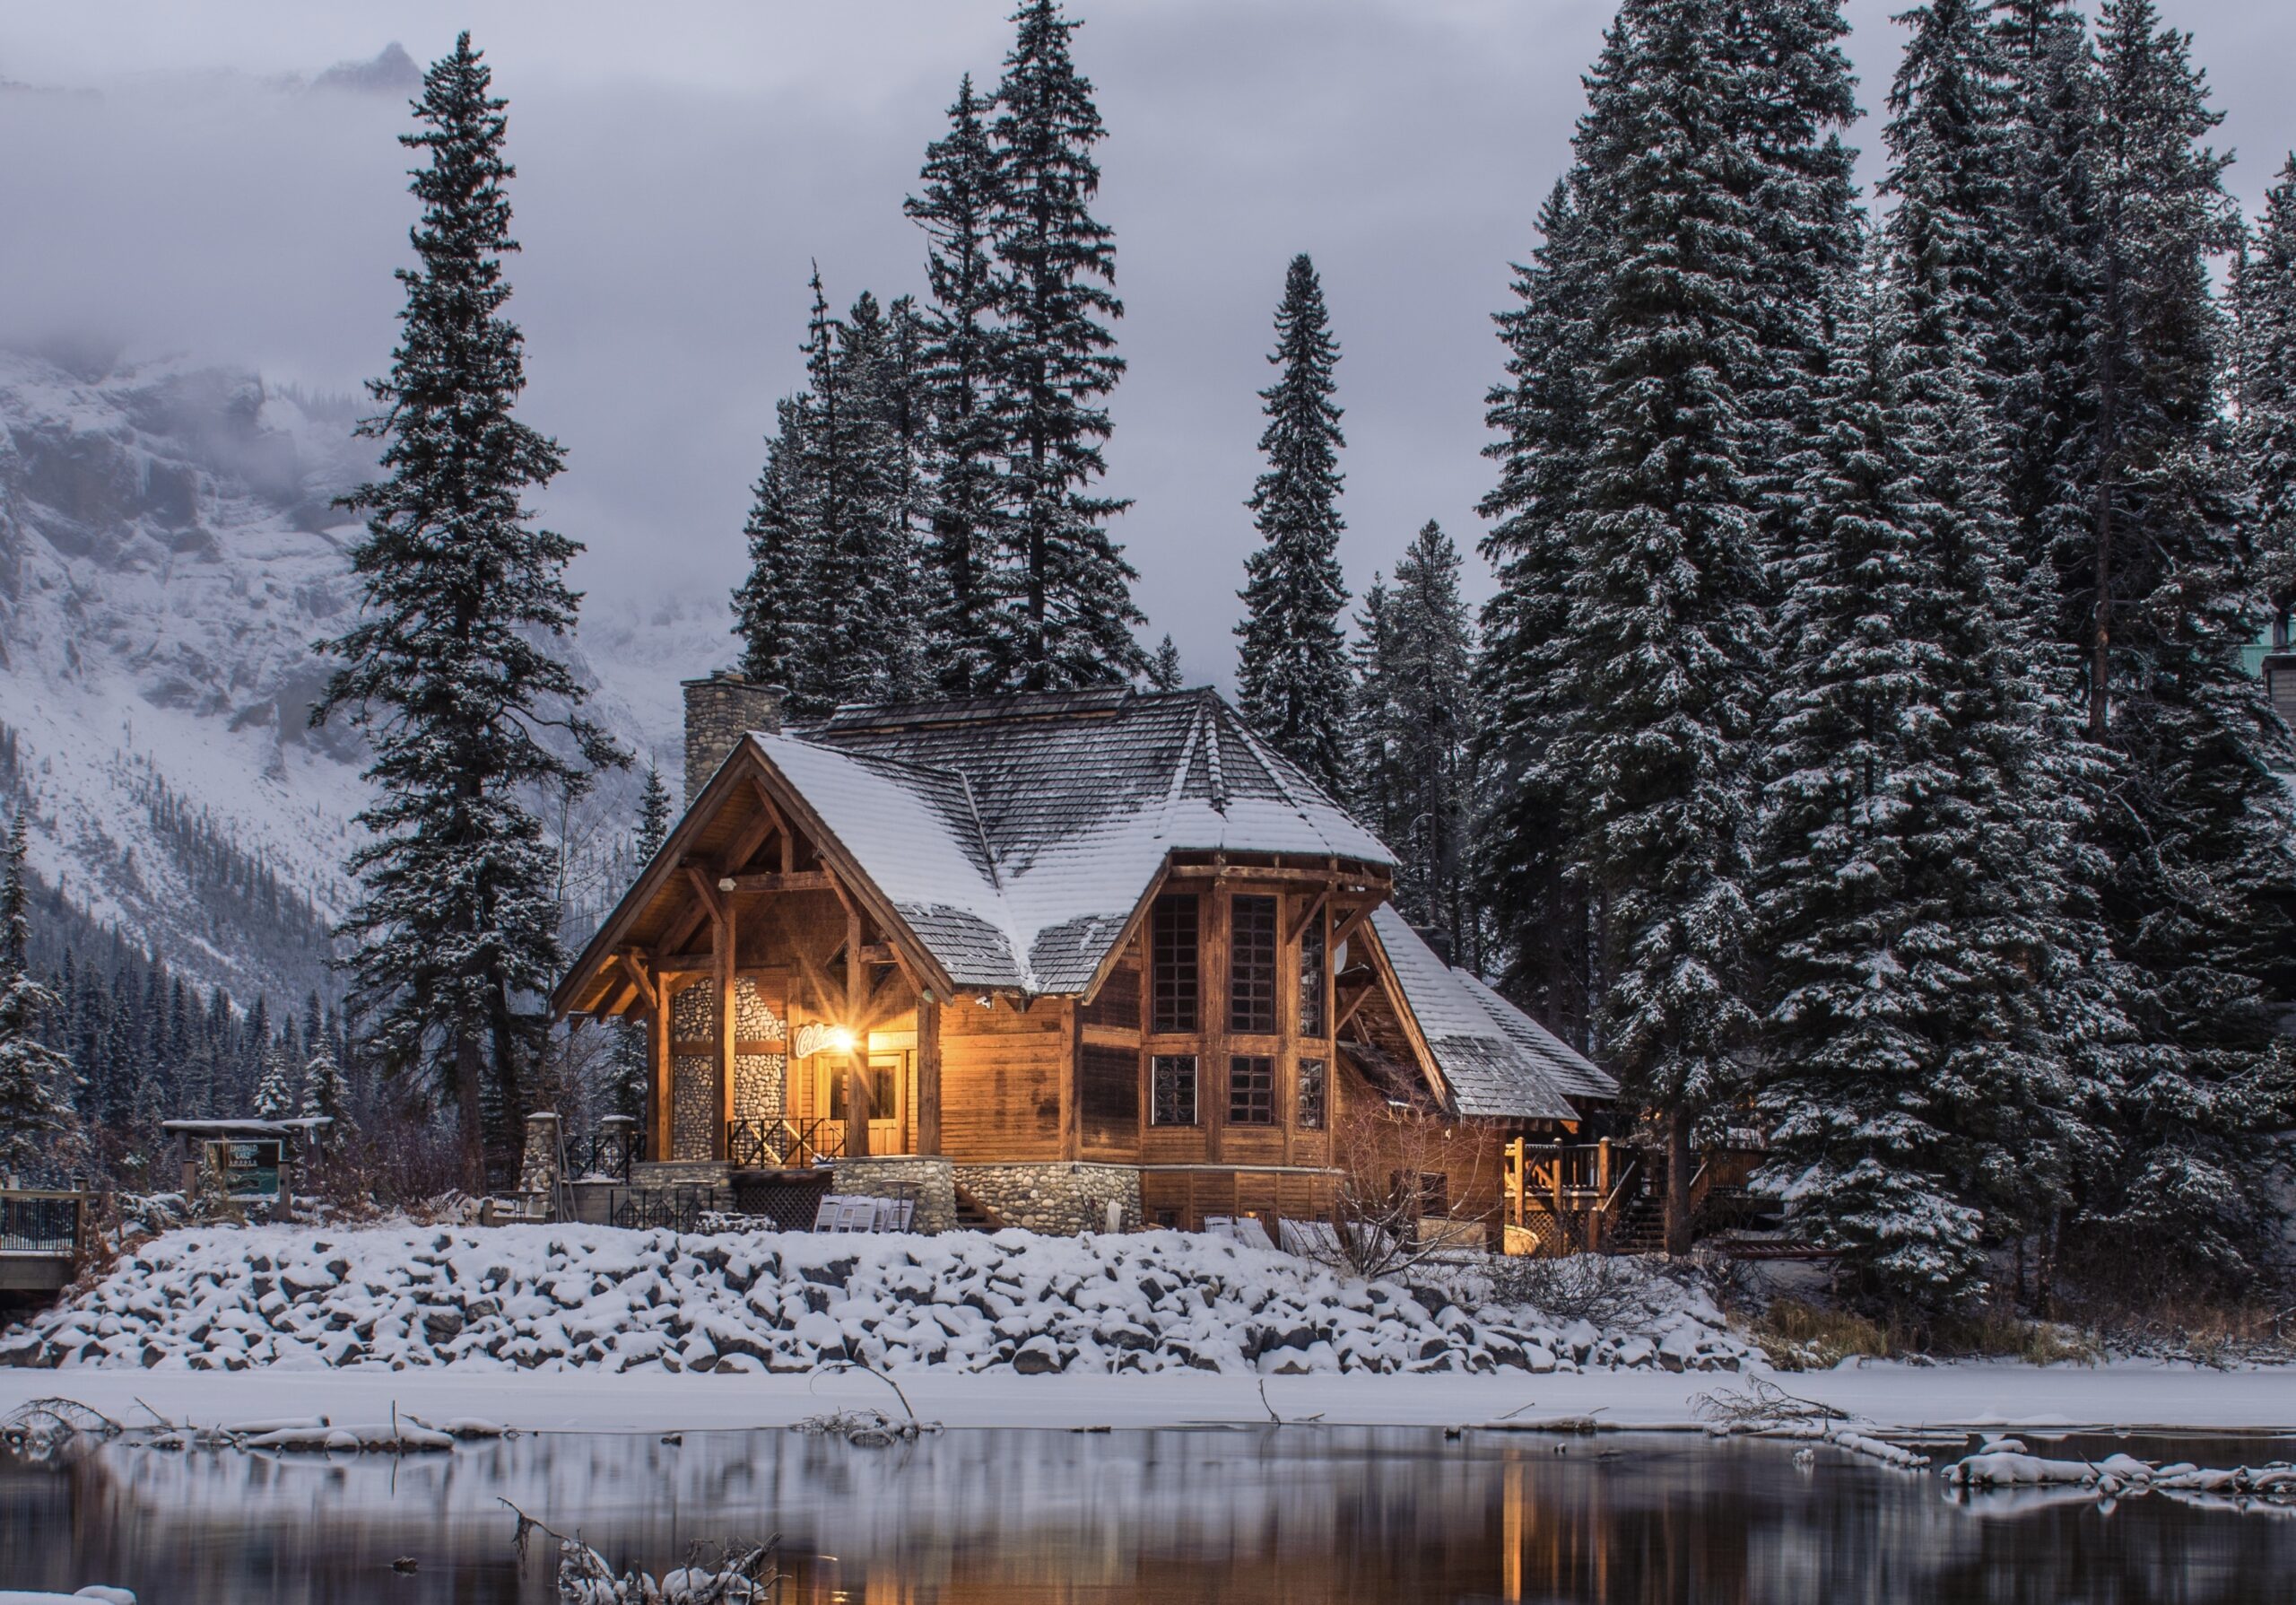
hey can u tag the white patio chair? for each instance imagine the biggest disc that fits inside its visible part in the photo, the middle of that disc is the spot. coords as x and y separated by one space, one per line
1247 1230
825 1212
855 1215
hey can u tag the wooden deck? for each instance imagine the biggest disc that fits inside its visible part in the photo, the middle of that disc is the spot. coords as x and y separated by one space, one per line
43 1235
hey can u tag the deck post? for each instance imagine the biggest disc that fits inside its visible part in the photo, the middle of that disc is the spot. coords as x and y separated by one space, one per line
928 1074
722 960
657 1050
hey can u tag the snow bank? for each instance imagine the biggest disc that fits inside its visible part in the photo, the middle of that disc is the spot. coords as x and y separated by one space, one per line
557 1298
2005 1463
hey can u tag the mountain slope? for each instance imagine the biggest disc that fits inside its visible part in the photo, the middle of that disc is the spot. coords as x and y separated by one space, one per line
167 553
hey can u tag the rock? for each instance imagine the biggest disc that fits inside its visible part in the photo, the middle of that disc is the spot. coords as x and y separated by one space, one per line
1036 1357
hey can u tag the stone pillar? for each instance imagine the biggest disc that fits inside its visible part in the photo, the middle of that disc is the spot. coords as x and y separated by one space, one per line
719 711
538 1167
618 1134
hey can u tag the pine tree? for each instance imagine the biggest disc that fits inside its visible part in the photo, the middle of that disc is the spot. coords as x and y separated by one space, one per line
1527 863
1291 667
2200 841
448 670
1422 728
1370 793
2267 388
1164 667
962 188
275 1094
653 815
1868 1140
771 610
1061 612
1713 186
37 1120
325 1093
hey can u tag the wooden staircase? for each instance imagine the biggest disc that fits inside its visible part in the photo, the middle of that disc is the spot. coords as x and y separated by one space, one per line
973 1215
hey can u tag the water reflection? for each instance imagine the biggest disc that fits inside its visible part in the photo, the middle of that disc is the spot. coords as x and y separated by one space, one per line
1292 1516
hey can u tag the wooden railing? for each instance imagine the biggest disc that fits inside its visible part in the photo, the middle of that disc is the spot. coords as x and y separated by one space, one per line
782 1145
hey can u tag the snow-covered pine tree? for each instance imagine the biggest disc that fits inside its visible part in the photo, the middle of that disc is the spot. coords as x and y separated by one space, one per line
2047 400
448 669
772 611
1424 728
37 1120
1370 791
1867 1131
1292 664
863 642
274 1093
958 197
326 1092
2268 388
1061 612
2201 837
653 815
1525 860
1698 175
1163 672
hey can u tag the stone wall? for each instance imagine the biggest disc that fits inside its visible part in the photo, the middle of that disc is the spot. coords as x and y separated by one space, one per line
1061 1198
538 1166
760 1079
935 1180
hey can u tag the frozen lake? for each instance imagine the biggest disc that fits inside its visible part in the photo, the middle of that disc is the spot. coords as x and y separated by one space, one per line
1354 1514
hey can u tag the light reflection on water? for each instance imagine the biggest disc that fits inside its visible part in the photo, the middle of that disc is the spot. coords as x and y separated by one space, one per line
1290 1515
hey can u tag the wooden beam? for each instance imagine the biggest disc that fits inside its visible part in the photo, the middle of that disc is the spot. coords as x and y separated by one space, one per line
708 893
1251 872
729 990
633 964
803 880
859 1104
928 1074
1350 1004
1071 1087
1307 916
1348 926
657 1070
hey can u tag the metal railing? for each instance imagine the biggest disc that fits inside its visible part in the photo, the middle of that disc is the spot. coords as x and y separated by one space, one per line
607 1153
673 1208
36 1221
781 1144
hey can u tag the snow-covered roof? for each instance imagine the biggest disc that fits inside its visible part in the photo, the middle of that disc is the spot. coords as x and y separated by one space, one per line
1497 1059
1017 835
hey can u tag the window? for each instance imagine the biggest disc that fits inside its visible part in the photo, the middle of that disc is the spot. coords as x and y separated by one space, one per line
1175 1089
1118 1003
1251 966
1312 1082
1111 1094
1251 1090
1172 940
881 1107
1312 978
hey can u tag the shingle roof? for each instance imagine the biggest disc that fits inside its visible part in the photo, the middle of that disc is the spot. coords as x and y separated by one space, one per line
1016 835
1499 1062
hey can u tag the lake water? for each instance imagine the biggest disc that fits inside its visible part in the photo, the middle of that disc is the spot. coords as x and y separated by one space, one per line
1293 1514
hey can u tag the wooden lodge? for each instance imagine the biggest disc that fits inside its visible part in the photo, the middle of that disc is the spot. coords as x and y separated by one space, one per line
1059 960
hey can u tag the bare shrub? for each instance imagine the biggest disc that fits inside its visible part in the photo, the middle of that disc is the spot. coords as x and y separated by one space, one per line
1802 1337
1390 1152
1602 1290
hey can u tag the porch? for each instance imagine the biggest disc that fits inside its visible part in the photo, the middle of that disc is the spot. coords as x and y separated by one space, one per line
1609 1196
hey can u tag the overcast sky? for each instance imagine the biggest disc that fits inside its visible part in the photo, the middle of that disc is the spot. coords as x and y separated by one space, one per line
677 176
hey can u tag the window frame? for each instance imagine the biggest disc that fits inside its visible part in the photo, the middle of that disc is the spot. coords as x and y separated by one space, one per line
1157 1063
1264 1077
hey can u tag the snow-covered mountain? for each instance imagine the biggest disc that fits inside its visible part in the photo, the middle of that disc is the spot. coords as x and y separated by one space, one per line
167 553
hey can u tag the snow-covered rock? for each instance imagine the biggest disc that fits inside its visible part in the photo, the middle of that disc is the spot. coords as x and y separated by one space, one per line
568 1297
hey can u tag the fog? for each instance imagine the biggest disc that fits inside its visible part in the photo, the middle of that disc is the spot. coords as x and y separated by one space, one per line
185 177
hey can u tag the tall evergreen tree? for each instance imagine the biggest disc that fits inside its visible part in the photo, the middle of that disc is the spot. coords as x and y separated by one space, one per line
1868 1132
1062 611
1714 184
1422 731
448 670
36 1081
2267 388
961 194
770 607
1528 865
2169 594
275 1092
1291 667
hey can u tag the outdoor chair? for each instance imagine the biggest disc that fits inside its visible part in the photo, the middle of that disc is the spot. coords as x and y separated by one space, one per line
1247 1230
825 1212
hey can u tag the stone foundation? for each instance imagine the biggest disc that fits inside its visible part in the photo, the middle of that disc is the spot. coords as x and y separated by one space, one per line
1060 1198
935 1180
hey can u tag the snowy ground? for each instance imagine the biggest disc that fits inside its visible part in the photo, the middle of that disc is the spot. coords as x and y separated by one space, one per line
1980 1394
596 1329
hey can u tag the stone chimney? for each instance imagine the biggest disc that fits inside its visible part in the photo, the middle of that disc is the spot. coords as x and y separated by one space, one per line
719 711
